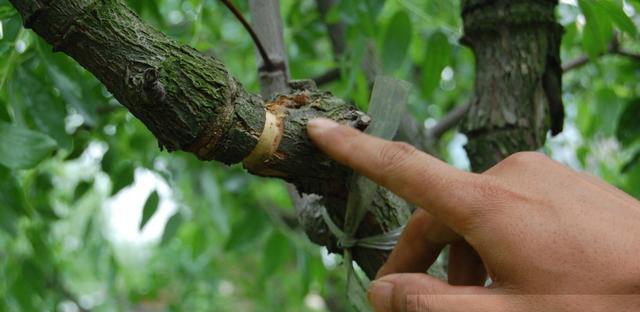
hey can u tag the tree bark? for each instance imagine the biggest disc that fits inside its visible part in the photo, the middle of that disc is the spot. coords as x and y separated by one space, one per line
517 48
518 83
191 103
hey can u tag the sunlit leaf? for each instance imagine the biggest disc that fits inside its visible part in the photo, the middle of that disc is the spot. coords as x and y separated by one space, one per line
616 12
395 43
598 30
437 57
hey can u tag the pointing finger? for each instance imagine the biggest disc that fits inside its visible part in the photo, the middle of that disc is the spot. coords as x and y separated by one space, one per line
451 195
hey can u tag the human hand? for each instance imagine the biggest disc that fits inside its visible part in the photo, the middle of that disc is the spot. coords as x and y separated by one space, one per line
551 239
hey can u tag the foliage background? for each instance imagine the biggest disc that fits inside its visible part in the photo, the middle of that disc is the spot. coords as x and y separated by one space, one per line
79 175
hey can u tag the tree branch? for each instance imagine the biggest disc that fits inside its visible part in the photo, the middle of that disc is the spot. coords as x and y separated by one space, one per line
270 66
191 103
327 77
448 122
631 55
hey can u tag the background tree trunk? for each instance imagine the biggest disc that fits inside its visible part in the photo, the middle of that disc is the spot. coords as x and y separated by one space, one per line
518 82
517 48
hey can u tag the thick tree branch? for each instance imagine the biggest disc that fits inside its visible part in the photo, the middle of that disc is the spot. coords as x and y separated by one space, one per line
191 103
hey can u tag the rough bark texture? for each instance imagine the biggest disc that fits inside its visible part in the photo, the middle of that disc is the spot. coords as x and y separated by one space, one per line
517 48
191 103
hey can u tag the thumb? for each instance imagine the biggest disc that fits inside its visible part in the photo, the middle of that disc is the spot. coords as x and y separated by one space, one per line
416 292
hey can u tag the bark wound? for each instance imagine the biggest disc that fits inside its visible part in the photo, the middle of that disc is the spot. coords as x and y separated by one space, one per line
517 48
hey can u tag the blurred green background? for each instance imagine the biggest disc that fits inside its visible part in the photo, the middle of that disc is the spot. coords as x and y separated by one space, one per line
94 217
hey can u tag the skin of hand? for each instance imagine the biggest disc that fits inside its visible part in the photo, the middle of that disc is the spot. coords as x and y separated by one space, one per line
550 238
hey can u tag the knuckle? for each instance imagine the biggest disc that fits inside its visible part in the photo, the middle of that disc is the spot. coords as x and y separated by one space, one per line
395 154
525 158
519 160
422 302
496 201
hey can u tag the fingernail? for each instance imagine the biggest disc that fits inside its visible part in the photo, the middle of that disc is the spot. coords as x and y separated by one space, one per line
321 124
380 294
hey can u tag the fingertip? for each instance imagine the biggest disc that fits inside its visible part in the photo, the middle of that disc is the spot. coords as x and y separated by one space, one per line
319 125
380 294
383 271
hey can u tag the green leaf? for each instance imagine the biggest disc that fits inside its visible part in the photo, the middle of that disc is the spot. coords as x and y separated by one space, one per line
150 208
633 182
397 39
211 191
437 57
276 253
631 164
608 109
12 201
47 110
122 176
4 112
246 231
628 130
81 189
6 11
21 148
171 228
616 12
598 30
39 195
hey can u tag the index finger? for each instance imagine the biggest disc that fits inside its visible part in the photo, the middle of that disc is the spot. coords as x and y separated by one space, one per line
451 195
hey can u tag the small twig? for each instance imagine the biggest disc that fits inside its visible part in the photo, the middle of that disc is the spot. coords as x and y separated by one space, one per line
449 121
329 76
635 56
575 63
269 66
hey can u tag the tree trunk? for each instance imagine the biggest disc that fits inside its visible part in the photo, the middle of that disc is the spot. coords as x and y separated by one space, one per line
191 103
518 82
517 48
